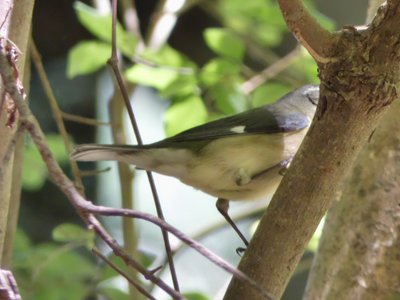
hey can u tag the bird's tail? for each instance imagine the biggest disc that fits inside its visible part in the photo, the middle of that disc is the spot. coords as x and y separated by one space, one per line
167 161
95 152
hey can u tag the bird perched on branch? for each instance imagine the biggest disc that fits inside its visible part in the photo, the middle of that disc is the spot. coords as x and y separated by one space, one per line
234 158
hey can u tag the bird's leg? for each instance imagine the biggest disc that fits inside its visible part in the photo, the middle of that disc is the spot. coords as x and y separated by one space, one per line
223 207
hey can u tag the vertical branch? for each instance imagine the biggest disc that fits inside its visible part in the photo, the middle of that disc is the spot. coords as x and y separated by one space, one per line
15 20
15 195
57 115
29 122
126 176
114 64
360 245
349 109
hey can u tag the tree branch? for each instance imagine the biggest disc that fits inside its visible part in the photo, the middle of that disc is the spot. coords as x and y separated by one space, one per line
360 244
355 91
57 114
15 23
86 209
122 273
317 40
29 122
359 248
113 62
271 71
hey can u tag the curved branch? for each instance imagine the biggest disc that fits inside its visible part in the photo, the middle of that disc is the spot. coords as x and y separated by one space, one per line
349 109
87 210
307 30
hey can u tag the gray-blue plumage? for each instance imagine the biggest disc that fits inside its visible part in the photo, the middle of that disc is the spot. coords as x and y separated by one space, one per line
237 157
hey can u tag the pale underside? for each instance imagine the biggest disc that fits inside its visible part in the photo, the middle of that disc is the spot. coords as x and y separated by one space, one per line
232 168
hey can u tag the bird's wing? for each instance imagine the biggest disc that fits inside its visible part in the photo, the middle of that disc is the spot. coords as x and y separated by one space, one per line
257 121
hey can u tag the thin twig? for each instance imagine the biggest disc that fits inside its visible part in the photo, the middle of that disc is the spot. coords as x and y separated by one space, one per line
220 225
126 176
83 120
113 62
86 209
316 39
11 148
122 273
119 251
271 71
30 123
107 211
56 111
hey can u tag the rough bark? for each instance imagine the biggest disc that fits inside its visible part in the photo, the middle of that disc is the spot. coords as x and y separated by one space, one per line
360 245
358 257
359 73
16 28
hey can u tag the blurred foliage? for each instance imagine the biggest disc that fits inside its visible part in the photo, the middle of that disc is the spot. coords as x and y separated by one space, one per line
89 56
181 80
197 93
35 173
68 233
48 270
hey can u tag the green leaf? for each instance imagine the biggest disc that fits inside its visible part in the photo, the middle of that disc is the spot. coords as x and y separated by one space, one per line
195 296
113 293
100 26
268 93
183 85
158 78
224 43
87 57
46 271
68 232
259 20
229 97
314 242
167 70
184 115
34 173
167 56
218 69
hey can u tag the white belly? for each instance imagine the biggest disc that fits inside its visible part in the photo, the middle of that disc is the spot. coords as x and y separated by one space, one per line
227 168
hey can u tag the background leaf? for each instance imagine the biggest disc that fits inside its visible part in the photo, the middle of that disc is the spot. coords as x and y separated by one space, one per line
87 57
100 26
224 42
68 232
34 172
184 115
268 93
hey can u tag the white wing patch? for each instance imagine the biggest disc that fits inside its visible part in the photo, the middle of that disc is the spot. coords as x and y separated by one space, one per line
238 129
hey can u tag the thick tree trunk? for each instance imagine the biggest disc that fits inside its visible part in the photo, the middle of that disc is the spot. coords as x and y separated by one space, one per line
359 72
360 246
358 257
17 17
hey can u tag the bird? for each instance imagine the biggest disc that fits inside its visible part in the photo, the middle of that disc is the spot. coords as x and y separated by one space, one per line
239 157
